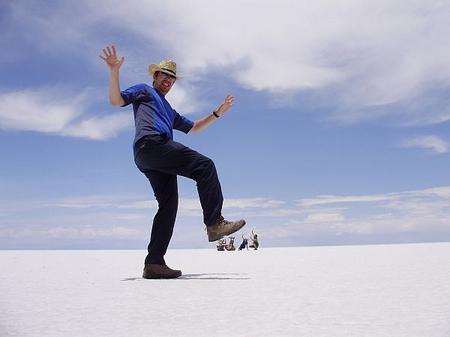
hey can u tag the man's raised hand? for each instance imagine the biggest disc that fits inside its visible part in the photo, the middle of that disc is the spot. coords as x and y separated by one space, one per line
226 105
111 59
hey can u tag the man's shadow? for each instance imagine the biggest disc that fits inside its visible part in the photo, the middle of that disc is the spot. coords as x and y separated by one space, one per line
204 276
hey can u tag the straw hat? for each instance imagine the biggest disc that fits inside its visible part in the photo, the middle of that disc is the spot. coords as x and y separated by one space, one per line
166 66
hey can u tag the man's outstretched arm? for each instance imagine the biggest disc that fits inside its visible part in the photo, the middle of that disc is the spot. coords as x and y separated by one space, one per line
114 63
203 123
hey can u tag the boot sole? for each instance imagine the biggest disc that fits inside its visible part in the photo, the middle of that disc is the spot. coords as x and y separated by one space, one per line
159 277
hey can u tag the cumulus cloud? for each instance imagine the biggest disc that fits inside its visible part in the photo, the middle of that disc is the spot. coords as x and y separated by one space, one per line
369 59
431 143
386 59
47 111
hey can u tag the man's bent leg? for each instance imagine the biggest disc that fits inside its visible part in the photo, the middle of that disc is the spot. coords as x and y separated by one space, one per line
175 158
208 186
166 192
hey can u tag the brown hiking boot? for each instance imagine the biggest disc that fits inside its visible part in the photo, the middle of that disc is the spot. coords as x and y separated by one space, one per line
159 271
222 228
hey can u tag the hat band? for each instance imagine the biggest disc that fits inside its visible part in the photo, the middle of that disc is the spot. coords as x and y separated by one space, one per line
170 71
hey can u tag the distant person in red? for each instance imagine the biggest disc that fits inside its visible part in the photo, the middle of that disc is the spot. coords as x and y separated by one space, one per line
161 159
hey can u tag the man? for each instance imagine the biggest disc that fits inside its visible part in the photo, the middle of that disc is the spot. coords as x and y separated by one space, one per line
161 159
244 243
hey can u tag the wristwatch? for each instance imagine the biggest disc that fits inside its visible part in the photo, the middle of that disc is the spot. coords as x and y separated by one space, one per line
215 114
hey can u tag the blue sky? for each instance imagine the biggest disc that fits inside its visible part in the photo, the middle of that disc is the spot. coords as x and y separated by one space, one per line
339 133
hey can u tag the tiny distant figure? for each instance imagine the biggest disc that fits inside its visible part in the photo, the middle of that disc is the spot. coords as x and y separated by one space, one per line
221 245
255 242
230 245
162 160
244 243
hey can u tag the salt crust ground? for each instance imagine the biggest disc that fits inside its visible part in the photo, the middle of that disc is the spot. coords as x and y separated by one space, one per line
385 290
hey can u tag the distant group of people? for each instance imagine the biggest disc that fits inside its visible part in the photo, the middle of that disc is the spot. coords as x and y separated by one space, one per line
223 245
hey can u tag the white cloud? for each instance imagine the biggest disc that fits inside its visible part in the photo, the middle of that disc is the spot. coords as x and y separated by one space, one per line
363 55
336 199
40 110
442 192
89 201
424 211
321 217
431 143
184 98
46 110
140 204
99 128
86 232
193 204
258 203
367 60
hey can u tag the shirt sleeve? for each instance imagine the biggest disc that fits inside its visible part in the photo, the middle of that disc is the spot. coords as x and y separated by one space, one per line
181 123
135 93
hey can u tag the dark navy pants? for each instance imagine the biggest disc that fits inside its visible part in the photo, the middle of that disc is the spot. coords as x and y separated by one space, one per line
161 160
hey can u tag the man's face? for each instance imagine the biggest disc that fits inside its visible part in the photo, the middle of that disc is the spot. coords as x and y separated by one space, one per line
163 82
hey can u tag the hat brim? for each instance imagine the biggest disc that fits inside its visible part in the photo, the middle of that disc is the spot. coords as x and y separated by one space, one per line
153 68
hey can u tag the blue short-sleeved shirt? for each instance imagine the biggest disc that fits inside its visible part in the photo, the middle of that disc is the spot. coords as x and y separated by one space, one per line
152 113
